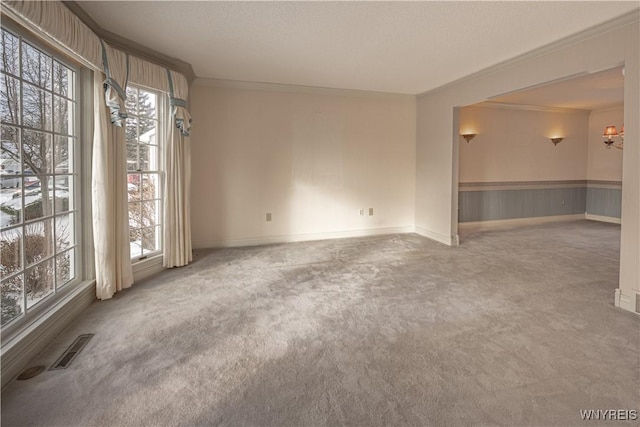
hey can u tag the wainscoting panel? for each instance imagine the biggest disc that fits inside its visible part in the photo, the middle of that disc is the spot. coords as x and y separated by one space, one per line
497 201
604 199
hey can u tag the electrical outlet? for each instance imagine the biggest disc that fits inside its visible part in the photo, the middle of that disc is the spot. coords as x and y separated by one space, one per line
370 211
361 212
268 216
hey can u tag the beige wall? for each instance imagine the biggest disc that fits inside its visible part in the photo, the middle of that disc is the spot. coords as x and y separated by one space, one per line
513 144
310 157
599 48
604 164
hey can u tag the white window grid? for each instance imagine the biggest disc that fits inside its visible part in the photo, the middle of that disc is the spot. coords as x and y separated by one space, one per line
151 172
73 212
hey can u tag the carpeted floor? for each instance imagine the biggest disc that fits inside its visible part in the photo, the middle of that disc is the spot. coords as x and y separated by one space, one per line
514 327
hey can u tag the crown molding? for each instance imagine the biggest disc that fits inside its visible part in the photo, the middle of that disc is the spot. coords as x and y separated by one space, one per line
605 27
281 87
130 46
526 107
609 108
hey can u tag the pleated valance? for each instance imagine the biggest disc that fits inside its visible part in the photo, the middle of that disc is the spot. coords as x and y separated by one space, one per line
178 101
116 70
64 29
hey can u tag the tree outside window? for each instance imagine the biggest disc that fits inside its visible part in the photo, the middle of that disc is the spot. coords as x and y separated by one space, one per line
143 172
38 209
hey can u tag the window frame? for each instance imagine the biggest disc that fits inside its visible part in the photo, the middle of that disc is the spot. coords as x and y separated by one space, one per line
79 163
161 109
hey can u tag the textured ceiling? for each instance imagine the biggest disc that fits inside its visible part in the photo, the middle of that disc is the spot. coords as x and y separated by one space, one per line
594 91
400 47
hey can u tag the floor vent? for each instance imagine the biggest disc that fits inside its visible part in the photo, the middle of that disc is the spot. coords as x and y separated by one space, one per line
64 361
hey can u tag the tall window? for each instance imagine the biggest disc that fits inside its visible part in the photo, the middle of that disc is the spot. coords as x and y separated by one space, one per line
143 169
39 209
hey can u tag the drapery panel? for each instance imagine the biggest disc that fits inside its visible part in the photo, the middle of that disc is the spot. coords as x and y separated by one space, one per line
109 192
177 205
177 182
109 200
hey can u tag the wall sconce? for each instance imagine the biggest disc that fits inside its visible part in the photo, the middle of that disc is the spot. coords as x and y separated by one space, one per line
610 132
556 140
469 136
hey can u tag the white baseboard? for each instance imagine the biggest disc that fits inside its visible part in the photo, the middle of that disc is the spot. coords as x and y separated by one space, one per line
18 351
442 238
610 219
146 268
485 225
627 300
267 240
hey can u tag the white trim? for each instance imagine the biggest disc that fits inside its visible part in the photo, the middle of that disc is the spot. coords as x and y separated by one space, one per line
486 225
25 345
612 185
610 219
441 238
147 267
528 107
281 87
612 108
627 300
267 240
85 121
614 24
520 185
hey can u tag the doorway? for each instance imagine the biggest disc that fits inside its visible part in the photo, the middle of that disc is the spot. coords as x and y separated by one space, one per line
538 155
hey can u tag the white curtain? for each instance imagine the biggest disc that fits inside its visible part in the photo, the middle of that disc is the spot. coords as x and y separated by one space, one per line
177 182
109 198
65 30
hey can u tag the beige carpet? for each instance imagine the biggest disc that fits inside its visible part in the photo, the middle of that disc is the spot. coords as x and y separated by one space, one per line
514 327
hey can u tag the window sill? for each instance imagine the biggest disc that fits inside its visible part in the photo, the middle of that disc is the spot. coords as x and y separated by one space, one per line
147 267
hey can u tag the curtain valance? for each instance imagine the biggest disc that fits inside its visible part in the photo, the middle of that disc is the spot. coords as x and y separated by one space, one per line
62 27
69 33
116 71
179 105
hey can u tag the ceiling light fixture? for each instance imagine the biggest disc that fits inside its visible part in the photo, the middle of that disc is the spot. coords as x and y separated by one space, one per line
556 140
469 136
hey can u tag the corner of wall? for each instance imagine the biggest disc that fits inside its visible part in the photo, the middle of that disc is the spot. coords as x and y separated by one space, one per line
441 238
627 300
